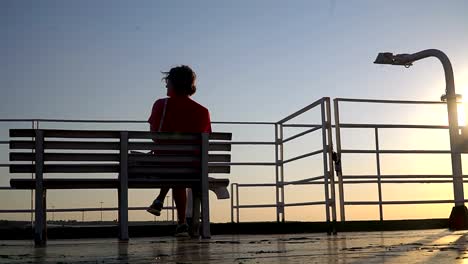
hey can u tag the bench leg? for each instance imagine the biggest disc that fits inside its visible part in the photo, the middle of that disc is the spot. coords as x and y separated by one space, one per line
196 204
123 214
205 210
204 185
40 225
123 187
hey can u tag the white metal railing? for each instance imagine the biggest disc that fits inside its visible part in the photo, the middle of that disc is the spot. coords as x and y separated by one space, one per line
378 178
327 180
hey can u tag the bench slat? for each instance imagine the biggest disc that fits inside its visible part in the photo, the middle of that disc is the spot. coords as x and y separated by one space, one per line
78 168
219 158
113 168
219 169
80 145
100 183
163 135
28 156
177 158
156 159
73 145
161 170
60 133
109 183
143 169
24 156
154 146
219 146
107 168
221 136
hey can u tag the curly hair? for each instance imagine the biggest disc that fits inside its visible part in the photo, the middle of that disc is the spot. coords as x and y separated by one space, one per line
183 79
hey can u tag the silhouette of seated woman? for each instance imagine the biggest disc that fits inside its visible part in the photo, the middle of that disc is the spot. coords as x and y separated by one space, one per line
178 113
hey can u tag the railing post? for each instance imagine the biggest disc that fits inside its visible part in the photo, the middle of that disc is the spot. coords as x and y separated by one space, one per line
123 187
40 213
330 164
326 172
281 204
379 184
232 202
277 172
237 203
339 173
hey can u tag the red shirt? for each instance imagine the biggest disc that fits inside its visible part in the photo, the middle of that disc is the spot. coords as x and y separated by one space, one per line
182 115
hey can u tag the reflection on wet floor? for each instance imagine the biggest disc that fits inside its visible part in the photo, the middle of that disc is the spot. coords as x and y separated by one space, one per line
427 246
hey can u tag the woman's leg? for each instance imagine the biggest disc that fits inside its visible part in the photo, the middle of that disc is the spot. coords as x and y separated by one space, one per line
157 205
162 194
180 198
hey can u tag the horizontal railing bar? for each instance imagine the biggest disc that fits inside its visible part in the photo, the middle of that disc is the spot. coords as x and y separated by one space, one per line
231 142
304 204
401 181
303 180
302 133
396 151
387 101
309 183
300 125
303 156
252 143
398 202
349 125
242 123
274 184
397 176
211 164
74 120
256 184
242 164
240 185
303 110
81 209
255 206
125 121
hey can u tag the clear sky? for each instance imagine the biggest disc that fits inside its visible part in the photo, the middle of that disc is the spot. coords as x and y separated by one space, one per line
255 61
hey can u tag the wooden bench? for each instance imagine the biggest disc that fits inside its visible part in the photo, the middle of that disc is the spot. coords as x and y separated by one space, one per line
181 160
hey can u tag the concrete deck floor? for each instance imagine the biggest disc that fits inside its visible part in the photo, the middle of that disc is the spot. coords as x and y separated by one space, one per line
423 246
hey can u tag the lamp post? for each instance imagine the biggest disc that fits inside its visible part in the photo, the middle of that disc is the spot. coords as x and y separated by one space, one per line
459 215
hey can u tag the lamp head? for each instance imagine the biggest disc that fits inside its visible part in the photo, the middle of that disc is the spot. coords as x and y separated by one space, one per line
384 58
389 58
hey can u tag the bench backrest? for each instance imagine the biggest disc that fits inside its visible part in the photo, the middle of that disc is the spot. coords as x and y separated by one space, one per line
100 151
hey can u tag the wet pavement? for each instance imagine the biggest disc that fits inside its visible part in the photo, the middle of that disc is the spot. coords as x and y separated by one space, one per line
426 246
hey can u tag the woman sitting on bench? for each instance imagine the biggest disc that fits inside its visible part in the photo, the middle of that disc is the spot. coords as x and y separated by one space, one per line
178 113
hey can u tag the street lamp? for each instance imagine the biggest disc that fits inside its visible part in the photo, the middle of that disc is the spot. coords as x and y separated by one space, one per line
459 215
